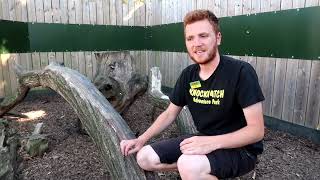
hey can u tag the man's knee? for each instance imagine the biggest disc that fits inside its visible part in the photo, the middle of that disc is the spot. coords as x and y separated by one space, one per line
147 158
191 166
186 163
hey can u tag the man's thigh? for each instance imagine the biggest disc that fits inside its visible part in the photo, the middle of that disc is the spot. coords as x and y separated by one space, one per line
169 150
228 163
224 163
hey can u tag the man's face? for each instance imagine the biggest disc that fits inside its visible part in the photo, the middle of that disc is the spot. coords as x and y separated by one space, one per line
202 41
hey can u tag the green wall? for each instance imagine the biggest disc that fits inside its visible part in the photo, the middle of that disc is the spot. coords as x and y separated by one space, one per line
283 34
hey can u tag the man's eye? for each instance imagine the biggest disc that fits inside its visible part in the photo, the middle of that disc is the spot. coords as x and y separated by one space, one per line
189 39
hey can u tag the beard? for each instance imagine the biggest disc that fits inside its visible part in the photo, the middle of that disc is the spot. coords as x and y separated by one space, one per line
212 53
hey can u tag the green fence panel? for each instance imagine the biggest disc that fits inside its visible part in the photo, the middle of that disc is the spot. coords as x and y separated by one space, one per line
283 34
19 37
14 37
59 37
168 37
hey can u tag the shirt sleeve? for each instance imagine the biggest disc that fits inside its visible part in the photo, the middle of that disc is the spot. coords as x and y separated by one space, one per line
178 93
248 89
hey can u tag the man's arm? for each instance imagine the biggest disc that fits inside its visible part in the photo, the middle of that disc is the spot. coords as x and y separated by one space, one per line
162 122
253 132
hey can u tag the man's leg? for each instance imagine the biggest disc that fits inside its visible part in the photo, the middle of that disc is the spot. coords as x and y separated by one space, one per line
224 163
161 155
149 160
193 167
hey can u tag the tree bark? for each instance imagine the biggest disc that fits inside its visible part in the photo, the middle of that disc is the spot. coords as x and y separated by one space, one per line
101 121
159 99
8 151
26 80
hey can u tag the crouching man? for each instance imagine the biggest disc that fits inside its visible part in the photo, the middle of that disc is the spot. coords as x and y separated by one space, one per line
224 98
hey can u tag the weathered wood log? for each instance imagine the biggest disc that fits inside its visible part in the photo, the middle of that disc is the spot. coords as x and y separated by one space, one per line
117 79
29 80
8 151
102 122
6 167
159 99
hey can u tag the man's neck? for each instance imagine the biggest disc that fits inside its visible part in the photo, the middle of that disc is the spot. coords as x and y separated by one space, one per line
206 70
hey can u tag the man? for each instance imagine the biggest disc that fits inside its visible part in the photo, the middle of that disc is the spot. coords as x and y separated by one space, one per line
224 98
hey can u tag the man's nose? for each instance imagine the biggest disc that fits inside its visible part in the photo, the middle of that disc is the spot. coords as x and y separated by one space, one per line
197 42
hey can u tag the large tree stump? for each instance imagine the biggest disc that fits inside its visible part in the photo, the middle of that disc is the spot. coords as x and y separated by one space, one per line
117 79
102 122
159 99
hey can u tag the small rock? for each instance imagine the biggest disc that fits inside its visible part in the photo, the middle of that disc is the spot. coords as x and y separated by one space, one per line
37 145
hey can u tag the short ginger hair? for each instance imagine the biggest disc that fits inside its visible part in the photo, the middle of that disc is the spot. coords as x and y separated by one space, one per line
198 15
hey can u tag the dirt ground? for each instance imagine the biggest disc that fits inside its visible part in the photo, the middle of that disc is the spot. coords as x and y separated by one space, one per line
72 154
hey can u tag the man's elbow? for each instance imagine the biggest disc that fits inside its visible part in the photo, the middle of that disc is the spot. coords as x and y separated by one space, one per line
260 133
257 132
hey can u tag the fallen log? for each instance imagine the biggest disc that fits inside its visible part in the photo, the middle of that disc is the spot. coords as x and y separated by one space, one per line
115 77
8 151
102 122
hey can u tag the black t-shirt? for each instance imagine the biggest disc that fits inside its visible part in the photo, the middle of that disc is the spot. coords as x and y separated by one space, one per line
216 103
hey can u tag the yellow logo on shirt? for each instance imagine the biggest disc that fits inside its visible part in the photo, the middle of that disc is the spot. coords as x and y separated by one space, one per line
195 84
207 96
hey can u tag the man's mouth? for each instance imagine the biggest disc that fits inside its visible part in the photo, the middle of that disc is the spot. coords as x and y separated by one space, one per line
199 52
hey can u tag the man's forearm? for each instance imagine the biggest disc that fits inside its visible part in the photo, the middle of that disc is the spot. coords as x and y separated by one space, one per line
251 133
161 123
242 137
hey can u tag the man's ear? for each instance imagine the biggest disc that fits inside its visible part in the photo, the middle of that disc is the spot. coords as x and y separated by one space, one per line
219 38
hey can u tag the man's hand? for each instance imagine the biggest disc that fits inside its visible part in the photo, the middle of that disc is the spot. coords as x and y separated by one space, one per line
198 145
131 146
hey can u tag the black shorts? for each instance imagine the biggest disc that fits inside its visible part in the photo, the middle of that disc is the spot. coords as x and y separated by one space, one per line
224 163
